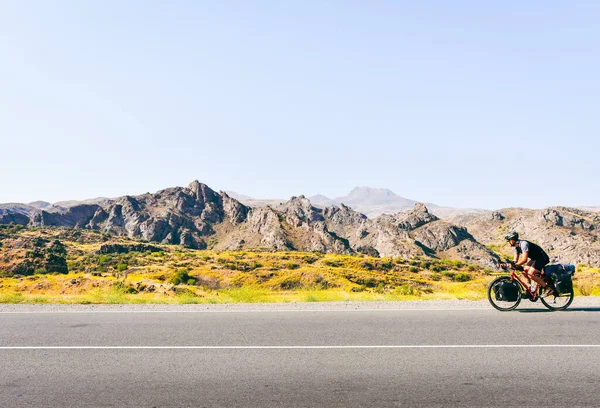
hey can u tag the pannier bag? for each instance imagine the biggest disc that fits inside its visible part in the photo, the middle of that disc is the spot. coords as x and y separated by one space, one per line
506 291
562 277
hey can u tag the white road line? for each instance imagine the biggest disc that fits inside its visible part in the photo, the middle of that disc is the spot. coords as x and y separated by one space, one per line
433 346
247 311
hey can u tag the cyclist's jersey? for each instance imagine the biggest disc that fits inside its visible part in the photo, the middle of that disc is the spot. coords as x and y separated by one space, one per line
535 251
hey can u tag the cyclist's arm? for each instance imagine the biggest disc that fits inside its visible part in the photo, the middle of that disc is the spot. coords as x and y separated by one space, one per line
521 260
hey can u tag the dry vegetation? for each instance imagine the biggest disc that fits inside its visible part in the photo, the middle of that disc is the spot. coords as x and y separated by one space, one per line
153 273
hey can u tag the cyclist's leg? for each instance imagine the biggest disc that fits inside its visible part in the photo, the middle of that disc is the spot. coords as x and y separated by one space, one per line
526 269
539 265
533 273
536 275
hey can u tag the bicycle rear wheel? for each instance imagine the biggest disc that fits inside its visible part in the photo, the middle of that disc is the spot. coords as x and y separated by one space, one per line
502 305
558 302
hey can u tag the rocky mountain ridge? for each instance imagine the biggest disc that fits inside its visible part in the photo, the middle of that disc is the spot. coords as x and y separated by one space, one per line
198 217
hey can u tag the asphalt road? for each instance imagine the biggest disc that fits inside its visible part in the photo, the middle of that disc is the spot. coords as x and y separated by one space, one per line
362 358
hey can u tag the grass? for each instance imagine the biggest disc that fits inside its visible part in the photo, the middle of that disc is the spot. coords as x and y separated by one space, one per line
446 290
245 294
586 281
15 297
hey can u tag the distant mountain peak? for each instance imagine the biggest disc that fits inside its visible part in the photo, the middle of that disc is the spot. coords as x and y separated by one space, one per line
237 196
367 199
373 193
40 204
372 189
320 196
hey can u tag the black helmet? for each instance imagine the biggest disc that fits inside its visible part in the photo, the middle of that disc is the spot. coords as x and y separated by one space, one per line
512 235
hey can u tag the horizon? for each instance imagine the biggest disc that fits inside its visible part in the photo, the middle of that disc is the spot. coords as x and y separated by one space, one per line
466 105
228 191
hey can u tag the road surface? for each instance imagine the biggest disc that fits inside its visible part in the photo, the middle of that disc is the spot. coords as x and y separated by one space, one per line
433 357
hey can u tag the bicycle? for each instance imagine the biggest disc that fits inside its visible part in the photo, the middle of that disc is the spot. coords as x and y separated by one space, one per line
555 301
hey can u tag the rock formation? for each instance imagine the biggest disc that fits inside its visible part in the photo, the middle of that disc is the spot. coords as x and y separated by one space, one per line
568 235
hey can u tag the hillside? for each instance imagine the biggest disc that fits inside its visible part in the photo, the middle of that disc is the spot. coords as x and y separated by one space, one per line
569 235
62 265
200 218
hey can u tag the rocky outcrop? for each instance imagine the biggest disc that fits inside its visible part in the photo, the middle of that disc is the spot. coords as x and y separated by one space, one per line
440 236
74 217
43 256
306 227
569 235
124 249
265 223
14 218
417 232
173 216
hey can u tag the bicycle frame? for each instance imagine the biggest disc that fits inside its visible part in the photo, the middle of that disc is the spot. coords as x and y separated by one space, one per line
524 285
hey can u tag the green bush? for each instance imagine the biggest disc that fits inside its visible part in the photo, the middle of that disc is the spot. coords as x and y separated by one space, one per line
57 248
449 274
459 264
462 277
331 262
407 290
310 259
413 269
387 264
56 263
180 276
122 289
368 282
122 267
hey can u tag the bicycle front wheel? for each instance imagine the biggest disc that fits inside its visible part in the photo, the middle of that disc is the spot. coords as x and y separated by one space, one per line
502 305
558 302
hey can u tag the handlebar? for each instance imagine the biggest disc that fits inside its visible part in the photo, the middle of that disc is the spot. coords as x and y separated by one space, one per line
511 265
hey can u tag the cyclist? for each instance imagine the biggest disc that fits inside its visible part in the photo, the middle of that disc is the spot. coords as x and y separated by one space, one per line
532 258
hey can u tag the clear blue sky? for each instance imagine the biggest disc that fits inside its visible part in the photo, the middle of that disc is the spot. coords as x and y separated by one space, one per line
484 104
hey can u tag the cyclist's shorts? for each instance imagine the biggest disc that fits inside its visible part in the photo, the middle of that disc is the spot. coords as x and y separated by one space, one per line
538 263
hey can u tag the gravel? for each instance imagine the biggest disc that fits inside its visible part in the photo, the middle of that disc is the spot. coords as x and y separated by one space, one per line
578 303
